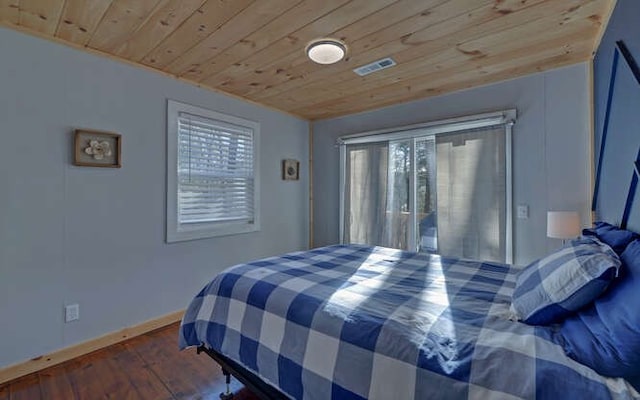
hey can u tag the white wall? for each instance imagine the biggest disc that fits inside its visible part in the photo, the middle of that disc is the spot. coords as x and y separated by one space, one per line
96 236
550 149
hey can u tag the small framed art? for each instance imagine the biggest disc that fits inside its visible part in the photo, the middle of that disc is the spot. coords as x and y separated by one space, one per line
97 149
290 170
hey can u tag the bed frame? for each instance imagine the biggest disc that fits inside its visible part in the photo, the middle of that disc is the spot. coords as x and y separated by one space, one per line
252 382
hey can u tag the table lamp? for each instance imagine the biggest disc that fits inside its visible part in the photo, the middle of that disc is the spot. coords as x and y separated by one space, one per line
563 225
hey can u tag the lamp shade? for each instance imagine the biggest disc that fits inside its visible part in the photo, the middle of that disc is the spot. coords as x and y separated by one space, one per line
563 224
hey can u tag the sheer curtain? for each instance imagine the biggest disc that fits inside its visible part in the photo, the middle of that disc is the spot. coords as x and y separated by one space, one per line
377 187
366 186
449 190
471 192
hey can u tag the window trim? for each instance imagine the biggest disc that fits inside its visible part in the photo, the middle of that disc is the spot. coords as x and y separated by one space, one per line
176 232
507 118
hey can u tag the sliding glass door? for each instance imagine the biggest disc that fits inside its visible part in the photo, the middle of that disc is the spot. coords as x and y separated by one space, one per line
442 192
471 192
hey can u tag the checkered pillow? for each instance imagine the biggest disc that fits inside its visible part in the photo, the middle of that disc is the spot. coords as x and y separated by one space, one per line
550 289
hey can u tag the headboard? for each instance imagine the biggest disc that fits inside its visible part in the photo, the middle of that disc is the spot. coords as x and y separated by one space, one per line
618 158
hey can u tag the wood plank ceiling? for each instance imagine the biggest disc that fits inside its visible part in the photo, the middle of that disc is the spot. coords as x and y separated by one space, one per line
255 48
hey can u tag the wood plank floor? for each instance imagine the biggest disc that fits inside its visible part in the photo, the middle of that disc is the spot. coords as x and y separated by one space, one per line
145 367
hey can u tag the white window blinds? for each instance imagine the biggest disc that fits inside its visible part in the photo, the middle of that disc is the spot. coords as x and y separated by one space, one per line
213 184
215 171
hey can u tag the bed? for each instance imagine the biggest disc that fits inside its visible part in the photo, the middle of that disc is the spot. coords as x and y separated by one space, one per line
358 322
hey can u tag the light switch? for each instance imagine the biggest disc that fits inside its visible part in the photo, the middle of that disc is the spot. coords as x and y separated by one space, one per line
523 211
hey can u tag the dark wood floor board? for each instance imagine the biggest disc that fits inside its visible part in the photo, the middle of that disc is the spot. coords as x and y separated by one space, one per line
55 383
26 389
145 367
131 372
116 372
186 374
85 377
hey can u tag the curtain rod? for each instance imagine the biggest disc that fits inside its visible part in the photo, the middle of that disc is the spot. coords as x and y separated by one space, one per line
434 127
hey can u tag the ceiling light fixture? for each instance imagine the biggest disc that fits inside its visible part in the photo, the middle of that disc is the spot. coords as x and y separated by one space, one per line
326 51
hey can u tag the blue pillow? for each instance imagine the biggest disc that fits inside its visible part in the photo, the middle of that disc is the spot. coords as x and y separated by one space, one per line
609 234
606 336
563 282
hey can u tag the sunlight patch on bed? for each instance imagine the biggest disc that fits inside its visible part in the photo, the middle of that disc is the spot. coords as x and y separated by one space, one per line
424 311
348 298
436 332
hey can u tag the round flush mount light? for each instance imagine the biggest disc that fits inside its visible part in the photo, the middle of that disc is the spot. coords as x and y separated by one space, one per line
326 51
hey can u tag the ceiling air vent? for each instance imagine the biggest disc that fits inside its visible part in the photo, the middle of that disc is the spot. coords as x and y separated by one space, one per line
375 66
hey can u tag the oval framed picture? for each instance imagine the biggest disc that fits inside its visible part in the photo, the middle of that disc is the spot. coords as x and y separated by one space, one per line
290 170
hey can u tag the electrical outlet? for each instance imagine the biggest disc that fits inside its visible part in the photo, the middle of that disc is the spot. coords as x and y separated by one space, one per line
71 312
523 211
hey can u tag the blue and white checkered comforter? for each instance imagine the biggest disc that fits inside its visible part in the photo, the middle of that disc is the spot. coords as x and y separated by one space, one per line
354 322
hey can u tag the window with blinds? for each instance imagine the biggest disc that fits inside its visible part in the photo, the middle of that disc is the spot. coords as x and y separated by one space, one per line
213 170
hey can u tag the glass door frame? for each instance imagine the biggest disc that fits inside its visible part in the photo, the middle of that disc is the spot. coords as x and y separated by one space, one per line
414 132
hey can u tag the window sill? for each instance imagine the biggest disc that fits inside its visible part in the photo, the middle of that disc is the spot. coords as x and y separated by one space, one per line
193 233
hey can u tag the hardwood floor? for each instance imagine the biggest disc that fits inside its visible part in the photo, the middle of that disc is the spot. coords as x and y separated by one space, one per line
145 367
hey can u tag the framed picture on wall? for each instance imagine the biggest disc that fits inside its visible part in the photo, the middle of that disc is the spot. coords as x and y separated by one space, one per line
97 149
290 170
